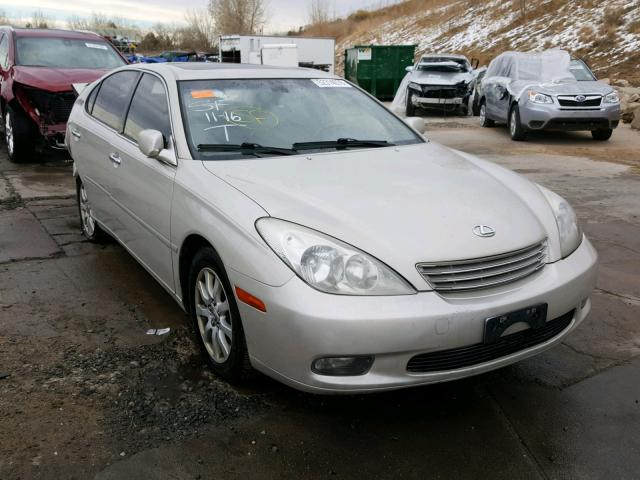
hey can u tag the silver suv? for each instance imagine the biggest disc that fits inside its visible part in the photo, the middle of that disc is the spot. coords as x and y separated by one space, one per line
547 91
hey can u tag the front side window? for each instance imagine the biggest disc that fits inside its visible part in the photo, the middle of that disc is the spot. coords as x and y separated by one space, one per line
112 100
57 52
580 71
149 109
283 112
4 52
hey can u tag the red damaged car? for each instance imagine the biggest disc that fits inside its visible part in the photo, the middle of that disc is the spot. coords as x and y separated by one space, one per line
37 70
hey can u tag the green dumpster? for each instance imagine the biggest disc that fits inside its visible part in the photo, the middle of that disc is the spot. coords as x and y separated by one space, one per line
378 69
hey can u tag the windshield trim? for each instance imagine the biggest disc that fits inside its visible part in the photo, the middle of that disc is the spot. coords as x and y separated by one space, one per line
420 139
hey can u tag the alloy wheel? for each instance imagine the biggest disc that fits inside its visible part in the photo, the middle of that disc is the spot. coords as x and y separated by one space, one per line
512 123
86 213
8 133
483 113
213 315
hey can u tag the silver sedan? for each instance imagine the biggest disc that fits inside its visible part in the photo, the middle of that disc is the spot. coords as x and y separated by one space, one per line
314 236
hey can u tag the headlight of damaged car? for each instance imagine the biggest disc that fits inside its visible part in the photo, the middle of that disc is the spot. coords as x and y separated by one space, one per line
612 98
415 86
568 226
327 264
537 97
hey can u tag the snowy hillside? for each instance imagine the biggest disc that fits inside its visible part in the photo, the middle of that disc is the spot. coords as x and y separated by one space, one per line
606 33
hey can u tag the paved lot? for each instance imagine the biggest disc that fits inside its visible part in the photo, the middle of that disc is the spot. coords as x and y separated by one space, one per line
90 395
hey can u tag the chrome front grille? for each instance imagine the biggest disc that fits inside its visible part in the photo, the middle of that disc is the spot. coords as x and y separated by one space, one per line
484 272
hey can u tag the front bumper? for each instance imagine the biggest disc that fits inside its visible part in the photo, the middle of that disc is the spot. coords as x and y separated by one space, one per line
302 324
553 117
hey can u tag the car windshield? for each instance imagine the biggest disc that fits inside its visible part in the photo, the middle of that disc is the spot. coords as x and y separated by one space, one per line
580 71
261 115
66 53
443 65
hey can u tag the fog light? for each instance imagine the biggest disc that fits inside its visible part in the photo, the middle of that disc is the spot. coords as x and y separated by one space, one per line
342 366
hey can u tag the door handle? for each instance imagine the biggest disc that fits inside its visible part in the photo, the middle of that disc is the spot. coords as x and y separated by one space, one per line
115 158
76 133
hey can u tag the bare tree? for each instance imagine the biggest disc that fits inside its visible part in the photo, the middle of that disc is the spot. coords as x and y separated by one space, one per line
39 20
239 16
319 12
4 20
200 29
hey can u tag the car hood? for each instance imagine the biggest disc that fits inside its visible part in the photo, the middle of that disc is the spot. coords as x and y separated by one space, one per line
54 79
569 87
440 78
404 205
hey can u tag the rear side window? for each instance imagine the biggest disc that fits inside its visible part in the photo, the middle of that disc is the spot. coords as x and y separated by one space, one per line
149 109
113 97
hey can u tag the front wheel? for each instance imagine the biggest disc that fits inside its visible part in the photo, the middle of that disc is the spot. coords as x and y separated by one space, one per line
602 134
19 135
484 121
216 317
516 129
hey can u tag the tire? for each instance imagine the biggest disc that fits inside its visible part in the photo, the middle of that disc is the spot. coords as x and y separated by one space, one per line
216 318
484 120
90 228
602 134
516 130
476 106
19 135
410 107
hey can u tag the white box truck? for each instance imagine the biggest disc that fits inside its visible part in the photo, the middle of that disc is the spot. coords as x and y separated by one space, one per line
312 52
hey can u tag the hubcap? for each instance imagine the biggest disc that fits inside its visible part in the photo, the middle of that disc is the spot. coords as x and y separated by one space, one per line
213 315
86 213
8 133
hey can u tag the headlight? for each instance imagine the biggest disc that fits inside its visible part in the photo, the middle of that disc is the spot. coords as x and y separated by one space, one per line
612 98
415 86
327 264
537 97
568 226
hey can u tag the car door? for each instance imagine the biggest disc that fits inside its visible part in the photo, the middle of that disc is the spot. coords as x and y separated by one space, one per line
143 186
4 67
92 135
502 98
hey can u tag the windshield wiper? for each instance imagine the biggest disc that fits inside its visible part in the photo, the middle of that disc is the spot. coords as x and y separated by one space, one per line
247 148
341 143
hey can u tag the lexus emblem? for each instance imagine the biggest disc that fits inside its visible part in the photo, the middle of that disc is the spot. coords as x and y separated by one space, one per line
484 231
580 98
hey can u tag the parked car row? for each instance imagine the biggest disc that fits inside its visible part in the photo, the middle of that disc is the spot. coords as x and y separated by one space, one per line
527 91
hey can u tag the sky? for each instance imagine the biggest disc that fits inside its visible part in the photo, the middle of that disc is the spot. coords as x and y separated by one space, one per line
283 14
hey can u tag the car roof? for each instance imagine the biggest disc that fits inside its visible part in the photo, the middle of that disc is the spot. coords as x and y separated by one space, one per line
205 71
443 55
56 33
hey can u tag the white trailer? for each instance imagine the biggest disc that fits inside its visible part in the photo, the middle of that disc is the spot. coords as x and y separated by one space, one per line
280 55
312 52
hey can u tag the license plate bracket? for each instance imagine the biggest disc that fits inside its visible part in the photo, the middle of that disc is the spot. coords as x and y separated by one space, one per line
534 316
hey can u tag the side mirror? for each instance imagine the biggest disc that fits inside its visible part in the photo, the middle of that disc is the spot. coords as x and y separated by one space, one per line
409 68
150 143
416 123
